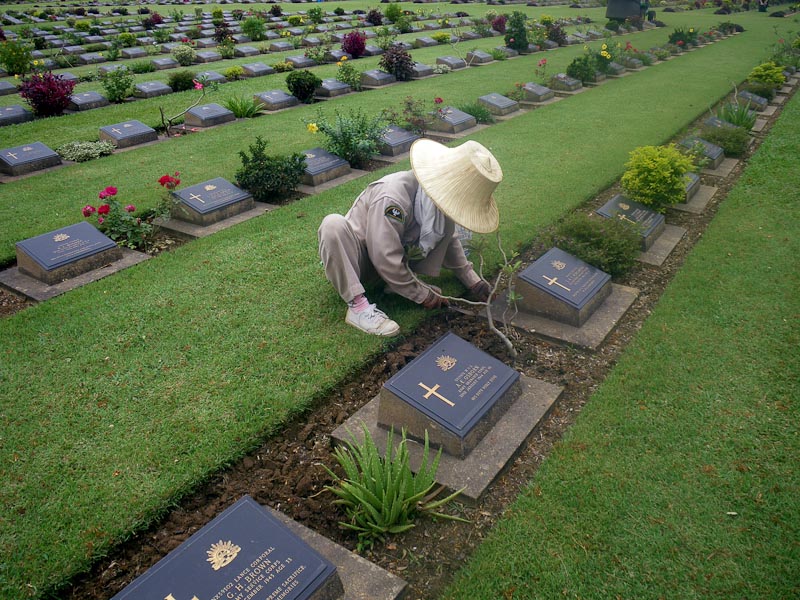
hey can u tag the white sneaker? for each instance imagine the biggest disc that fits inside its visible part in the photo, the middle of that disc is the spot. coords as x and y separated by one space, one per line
372 321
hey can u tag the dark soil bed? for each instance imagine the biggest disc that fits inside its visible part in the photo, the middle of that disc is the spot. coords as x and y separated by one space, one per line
287 472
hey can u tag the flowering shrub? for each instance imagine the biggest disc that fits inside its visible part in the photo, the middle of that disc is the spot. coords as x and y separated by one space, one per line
302 85
354 136
118 222
354 43
15 57
397 61
582 68
348 74
516 36
682 37
47 94
541 70
655 176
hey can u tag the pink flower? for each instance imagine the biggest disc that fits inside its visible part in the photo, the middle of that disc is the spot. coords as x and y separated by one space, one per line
680 42
543 62
511 41
108 192
100 220
437 100
89 210
197 84
103 209
130 208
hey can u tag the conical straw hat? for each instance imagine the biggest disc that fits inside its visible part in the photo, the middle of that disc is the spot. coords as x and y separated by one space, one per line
460 181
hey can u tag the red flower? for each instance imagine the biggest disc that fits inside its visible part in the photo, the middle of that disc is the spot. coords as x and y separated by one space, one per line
106 193
130 208
543 62
680 42
100 220
103 209
89 210
169 182
437 100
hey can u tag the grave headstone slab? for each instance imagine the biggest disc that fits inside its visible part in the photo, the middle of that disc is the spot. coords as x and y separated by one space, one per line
87 101
322 166
331 88
246 51
212 77
498 104
404 45
451 120
311 42
206 56
7 88
395 141
692 185
615 69
167 48
10 115
720 123
210 202
376 78
478 57
95 39
571 40
537 93
510 52
562 287
281 47
632 63
276 100
67 76
301 61
257 70
129 133
166 62
65 253
240 38
648 223
372 50
425 42
454 62
758 103
28 158
453 390
712 152
245 552
338 55
151 89
133 53
420 70
470 35
207 115
91 58
564 83
106 69
549 45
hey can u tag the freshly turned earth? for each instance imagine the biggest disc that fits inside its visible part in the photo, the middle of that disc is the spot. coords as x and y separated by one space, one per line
287 472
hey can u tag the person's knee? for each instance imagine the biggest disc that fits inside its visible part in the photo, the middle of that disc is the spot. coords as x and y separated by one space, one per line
332 227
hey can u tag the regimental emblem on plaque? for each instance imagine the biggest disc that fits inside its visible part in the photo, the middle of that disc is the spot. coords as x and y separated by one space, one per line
222 554
445 363
60 237
210 188
624 206
559 265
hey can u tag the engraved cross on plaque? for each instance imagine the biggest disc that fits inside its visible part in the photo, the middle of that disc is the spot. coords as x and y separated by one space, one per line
196 197
554 281
626 218
115 130
432 392
12 155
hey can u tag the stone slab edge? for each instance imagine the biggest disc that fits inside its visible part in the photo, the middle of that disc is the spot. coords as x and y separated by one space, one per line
39 291
362 580
699 201
724 169
310 190
194 231
480 468
663 246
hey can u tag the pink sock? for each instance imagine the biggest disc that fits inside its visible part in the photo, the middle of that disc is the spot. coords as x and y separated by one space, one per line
359 303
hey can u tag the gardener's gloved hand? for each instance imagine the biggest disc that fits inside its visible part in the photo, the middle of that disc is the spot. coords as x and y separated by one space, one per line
480 291
434 300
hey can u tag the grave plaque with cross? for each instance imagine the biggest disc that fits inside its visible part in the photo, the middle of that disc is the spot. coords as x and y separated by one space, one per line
498 104
87 101
452 120
332 87
10 115
151 89
245 552
276 100
28 158
712 152
562 287
65 253
454 62
537 93
453 390
376 78
129 133
207 115
648 223
322 166
395 141
210 202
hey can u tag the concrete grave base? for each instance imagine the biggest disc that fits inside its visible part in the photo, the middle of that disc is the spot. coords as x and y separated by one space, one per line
444 137
768 111
332 183
194 231
480 468
663 246
699 200
567 94
759 125
361 579
724 169
39 291
528 104
779 99
590 335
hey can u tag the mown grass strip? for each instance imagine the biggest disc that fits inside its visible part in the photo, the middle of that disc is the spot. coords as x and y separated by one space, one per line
120 396
679 479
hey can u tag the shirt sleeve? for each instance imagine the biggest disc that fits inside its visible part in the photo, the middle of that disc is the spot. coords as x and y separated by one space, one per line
456 261
386 223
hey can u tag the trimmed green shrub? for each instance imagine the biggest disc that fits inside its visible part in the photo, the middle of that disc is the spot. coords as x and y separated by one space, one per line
254 28
302 84
118 84
142 66
269 178
768 74
180 81
582 68
15 57
733 140
283 66
393 12
654 176
233 73
516 35
611 245
184 54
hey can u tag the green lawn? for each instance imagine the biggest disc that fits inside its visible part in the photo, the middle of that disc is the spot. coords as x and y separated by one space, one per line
680 478
119 397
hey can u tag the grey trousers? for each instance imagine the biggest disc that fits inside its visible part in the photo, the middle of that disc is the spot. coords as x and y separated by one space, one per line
345 259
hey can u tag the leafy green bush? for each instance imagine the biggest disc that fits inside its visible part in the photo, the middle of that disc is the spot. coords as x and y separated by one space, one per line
15 57
269 178
180 81
142 66
315 14
733 140
254 28
654 176
354 136
393 12
738 114
295 20
83 151
233 73
184 54
302 85
382 495
118 84
347 73
611 245
768 74
759 88
516 35
479 111
403 24
283 66
582 68
498 54
243 107
397 61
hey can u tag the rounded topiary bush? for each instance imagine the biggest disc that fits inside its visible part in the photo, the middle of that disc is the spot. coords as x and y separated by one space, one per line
302 84
655 176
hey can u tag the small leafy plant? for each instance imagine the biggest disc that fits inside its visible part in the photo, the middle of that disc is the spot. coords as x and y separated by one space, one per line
269 178
383 496
733 140
479 111
302 84
180 81
184 54
118 84
354 43
47 94
738 114
347 73
654 176
353 136
397 61
582 68
83 151
243 107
